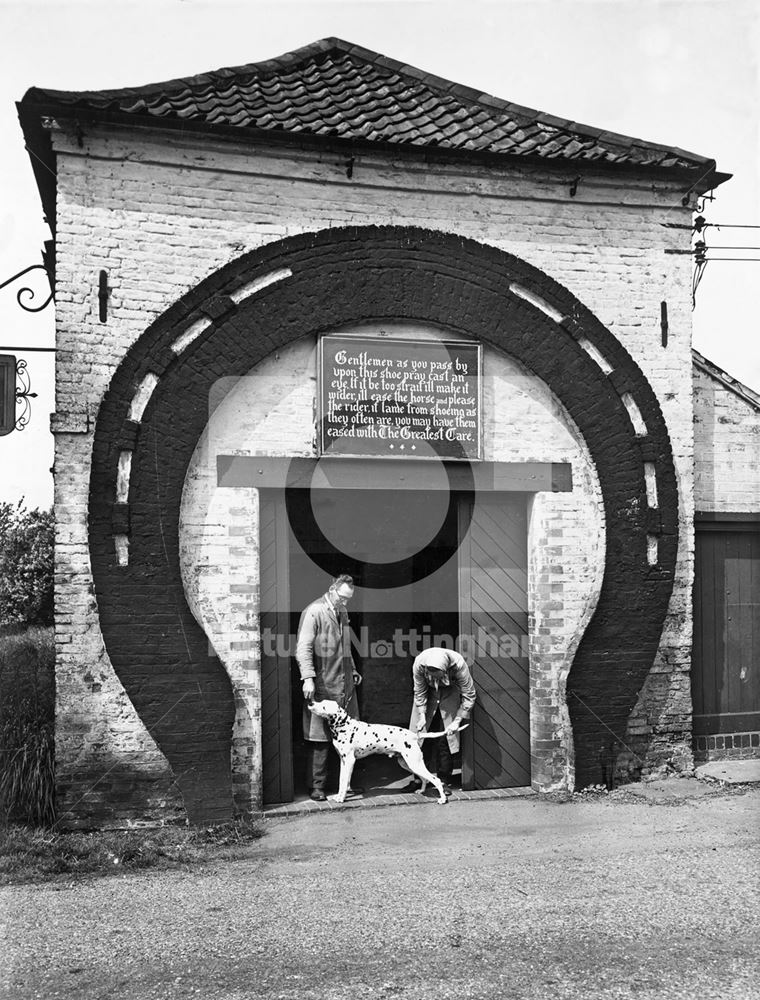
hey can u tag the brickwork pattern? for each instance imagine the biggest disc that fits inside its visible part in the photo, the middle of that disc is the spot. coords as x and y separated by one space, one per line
160 213
451 282
269 411
727 746
726 448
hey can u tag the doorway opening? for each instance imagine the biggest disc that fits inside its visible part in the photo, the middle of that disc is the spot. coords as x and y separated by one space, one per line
388 541
431 567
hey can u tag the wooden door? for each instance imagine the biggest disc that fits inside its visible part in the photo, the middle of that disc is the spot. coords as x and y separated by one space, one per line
494 612
725 676
276 727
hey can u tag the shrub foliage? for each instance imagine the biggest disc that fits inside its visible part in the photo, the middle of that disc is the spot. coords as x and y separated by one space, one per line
27 664
27 707
26 567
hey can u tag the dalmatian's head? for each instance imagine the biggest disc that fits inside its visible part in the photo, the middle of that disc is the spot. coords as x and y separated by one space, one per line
325 709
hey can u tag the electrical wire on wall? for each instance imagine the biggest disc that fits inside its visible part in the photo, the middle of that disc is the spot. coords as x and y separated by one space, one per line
705 254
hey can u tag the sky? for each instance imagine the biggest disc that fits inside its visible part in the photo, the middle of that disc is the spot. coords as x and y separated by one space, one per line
685 74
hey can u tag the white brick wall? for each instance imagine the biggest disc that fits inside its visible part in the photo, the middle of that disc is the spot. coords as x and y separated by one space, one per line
726 446
161 212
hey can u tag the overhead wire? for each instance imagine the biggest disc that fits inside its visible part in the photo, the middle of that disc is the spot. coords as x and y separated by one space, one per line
704 254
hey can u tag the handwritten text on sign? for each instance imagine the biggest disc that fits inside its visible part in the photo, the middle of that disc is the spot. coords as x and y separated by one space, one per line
400 398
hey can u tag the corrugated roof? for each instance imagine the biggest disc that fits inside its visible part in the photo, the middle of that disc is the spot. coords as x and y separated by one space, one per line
337 91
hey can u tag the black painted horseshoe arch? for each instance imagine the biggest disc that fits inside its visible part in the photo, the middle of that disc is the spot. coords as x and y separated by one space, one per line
326 280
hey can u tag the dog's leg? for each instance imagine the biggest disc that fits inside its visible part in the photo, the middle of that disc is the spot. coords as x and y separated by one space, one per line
347 761
416 763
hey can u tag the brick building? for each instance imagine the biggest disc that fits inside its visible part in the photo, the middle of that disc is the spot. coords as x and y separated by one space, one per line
725 690
217 240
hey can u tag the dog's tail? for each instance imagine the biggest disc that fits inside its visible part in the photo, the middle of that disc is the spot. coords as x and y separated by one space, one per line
445 732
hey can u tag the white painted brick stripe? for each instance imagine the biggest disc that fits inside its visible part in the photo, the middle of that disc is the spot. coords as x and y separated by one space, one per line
653 547
246 291
121 543
122 476
595 354
650 477
536 301
192 333
142 397
635 414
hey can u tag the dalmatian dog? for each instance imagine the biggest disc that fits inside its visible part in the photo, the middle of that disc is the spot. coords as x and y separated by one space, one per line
354 739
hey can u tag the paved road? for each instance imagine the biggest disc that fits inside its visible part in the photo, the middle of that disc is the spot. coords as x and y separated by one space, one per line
524 898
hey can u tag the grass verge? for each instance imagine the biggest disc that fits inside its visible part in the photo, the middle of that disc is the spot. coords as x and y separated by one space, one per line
36 855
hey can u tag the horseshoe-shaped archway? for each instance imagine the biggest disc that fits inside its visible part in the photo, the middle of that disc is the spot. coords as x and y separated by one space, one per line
156 409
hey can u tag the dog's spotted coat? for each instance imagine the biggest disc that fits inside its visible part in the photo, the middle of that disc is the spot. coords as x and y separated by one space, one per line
354 739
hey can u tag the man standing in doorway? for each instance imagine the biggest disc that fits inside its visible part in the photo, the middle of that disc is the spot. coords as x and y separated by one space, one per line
444 694
323 653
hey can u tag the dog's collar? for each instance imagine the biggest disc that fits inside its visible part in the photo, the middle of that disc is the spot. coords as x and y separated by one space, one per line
339 719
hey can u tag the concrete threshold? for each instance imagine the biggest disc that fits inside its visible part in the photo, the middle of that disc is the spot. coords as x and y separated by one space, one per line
305 806
732 772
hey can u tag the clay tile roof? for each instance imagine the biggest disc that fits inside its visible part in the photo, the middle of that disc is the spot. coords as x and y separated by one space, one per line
333 88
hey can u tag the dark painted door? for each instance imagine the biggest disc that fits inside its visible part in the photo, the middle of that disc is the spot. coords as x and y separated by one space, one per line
494 613
725 675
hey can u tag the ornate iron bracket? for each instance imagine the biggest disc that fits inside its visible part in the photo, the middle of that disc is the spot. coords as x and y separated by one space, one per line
27 291
23 394
703 199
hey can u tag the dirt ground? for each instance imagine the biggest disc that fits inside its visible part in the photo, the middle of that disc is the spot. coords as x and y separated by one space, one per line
651 892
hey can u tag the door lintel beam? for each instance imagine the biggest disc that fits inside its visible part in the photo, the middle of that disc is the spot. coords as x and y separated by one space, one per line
274 472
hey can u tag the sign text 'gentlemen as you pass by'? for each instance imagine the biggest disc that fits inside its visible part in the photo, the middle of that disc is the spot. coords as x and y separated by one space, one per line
400 398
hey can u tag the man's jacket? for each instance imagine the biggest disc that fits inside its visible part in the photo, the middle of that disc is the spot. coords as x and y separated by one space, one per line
455 697
323 651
